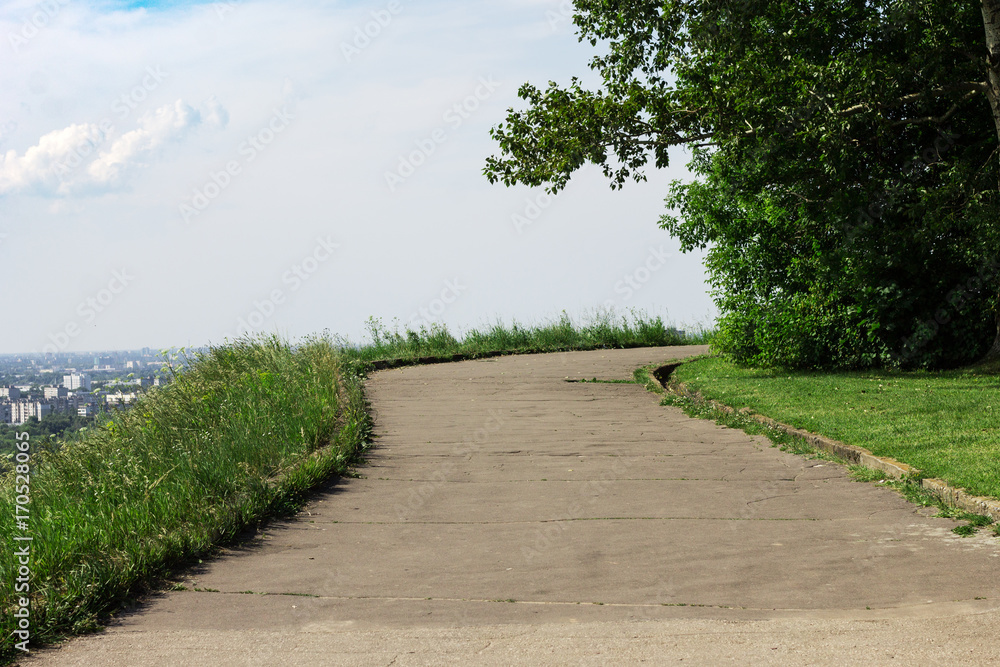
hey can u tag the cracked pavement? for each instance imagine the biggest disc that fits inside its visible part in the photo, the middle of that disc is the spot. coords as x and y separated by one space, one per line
508 516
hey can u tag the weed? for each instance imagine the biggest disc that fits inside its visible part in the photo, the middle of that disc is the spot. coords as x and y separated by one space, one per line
978 520
861 473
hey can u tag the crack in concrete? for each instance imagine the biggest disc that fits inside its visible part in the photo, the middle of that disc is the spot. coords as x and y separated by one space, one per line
639 605
760 500
609 518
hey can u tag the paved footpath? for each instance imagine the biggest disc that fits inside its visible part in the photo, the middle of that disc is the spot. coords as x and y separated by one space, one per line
507 516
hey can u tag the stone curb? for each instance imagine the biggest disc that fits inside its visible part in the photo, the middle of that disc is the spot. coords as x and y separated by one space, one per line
949 495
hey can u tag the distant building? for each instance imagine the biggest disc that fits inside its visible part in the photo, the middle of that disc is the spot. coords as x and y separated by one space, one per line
4 413
120 398
55 392
77 381
22 411
77 401
10 393
85 411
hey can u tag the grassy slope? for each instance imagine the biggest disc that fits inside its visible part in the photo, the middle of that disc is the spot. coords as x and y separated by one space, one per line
241 435
947 424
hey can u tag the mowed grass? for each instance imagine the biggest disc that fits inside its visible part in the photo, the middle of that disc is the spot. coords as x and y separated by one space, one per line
604 330
947 424
242 433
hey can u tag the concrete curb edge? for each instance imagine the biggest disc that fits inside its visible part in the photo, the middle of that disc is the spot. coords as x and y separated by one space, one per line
948 494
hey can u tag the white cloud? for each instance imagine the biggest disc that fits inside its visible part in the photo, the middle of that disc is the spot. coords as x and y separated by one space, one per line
217 115
58 165
167 124
36 170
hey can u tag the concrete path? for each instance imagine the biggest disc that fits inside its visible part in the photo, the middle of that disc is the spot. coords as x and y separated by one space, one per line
510 517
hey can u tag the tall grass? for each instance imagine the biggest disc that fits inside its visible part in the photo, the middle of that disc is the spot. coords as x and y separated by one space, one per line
604 330
243 432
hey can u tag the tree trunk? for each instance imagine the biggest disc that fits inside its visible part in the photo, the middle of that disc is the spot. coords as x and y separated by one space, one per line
994 352
991 20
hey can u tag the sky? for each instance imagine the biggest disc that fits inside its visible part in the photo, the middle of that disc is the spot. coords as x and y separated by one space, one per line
182 173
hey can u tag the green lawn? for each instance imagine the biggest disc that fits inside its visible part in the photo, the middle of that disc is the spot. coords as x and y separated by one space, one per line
947 424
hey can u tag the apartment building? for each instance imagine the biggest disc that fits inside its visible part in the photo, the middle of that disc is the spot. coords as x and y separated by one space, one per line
76 381
22 411
55 392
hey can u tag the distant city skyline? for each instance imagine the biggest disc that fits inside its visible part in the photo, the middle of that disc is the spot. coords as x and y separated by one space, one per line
176 173
58 391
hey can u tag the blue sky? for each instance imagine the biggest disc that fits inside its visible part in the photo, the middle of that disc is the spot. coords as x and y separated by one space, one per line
174 173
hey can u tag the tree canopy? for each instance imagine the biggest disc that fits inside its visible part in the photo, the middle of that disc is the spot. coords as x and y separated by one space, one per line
846 155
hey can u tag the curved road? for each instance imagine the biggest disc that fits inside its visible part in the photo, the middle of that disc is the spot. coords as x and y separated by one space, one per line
507 516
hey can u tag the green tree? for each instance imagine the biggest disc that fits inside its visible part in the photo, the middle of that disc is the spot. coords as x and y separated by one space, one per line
847 160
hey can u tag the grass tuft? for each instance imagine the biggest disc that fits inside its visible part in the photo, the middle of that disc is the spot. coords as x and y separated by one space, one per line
861 473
